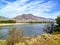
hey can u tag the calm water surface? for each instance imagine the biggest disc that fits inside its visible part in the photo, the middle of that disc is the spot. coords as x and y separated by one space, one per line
29 29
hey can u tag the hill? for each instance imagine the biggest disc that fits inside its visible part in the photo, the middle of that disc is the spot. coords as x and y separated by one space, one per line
31 18
3 18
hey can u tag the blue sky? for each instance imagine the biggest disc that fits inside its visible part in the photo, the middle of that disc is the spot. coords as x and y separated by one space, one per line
40 8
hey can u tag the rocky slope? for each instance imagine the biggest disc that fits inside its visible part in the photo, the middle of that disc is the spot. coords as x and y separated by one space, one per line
31 18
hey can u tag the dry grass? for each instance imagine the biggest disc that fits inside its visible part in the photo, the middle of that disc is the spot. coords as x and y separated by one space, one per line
45 39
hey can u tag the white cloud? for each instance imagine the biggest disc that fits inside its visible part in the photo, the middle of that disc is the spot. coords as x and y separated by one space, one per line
24 0
20 6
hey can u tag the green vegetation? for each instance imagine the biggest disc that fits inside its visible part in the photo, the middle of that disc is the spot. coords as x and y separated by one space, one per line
7 21
38 22
58 20
57 27
34 22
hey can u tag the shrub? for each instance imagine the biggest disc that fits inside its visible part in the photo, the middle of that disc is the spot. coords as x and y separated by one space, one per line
58 20
14 36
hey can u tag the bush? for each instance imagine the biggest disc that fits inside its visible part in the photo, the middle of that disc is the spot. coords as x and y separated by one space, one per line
58 20
14 36
57 28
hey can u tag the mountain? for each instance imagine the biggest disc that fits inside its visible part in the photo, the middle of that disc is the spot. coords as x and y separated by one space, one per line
31 18
3 18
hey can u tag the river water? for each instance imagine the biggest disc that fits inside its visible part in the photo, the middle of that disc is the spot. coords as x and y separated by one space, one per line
28 29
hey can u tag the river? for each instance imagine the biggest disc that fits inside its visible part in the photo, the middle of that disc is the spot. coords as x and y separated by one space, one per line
28 29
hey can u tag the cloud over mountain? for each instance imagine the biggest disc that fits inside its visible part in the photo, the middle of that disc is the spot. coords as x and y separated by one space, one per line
43 8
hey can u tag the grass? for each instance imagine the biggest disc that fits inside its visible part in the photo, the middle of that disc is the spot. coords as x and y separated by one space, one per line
55 33
2 42
45 39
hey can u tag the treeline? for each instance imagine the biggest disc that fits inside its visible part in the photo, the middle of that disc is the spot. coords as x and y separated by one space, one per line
38 22
34 22
7 21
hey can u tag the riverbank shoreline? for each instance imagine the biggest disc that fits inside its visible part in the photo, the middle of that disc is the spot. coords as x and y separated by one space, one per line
2 24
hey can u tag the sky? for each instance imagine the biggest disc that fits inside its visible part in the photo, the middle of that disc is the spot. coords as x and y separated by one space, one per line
40 8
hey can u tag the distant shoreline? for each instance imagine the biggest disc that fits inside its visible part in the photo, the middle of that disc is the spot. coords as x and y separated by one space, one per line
1 24
10 24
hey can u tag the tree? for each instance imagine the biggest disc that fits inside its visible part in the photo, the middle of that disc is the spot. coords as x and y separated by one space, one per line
58 20
57 27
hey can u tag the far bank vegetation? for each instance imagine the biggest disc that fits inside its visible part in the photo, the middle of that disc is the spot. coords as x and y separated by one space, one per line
7 21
